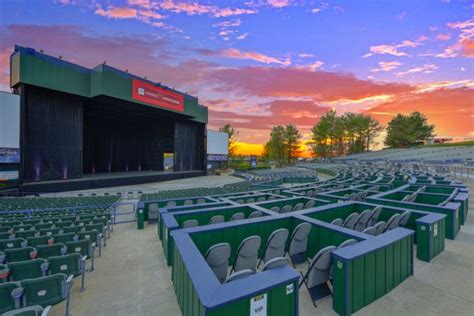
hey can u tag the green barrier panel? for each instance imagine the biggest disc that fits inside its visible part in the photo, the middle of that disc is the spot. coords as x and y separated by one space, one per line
291 201
140 219
185 208
173 221
199 292
252 198
462 198
430 237
179 202
368 270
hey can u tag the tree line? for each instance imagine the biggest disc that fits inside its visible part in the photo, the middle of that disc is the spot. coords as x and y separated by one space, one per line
347 134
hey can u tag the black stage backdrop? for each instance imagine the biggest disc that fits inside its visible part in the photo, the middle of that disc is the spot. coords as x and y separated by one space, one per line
121 137
189 145
51 134
65 136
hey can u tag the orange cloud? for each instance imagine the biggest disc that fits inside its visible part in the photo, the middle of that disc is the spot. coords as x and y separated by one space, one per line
451 110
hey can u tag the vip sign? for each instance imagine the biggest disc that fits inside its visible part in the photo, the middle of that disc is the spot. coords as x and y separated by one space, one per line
258 305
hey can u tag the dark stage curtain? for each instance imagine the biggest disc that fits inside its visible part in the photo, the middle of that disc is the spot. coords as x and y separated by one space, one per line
51 134
189 145
119 143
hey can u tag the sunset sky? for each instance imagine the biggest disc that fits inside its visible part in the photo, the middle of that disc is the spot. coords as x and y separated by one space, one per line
260 63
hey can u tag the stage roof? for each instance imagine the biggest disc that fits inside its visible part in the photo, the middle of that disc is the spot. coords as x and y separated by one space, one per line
30 66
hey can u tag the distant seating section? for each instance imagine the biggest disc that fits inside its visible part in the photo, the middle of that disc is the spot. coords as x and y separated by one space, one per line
45 243
197 192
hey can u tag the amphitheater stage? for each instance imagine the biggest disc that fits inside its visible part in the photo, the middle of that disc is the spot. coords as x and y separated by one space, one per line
110 179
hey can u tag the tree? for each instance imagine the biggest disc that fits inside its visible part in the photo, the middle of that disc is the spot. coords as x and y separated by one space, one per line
292 142
233 138
275 147
350 133
408 130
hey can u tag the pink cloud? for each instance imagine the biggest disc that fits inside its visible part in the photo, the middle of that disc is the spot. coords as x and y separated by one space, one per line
195 8
238 54
300 82
394 49
443 37
117 12
387 66
426 68
135 53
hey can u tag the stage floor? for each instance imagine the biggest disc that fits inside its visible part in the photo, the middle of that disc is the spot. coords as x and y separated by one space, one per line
109 179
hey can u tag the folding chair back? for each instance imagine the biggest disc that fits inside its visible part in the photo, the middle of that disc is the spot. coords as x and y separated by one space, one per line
310 204
190 223
374 216
275 263
337 222
362 221
299 243
247 254
393 222
217 219
217 257
276 244
319 267
351 220
255 214
237 216
240 275
404 217
298 207
379 228
286 209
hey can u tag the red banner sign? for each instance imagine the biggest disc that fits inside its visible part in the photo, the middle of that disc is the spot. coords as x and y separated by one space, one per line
156 96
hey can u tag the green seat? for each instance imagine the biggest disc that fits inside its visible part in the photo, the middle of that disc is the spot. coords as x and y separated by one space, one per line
20 254
27 233
30 269
83 247
63 224
50 231
4 272
5 229
71 264
5 235
102 229
22 228
43 226
38 241
72 229
94 236
46 291
34 310
31 221
46 251
12 243
64 238
7 302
